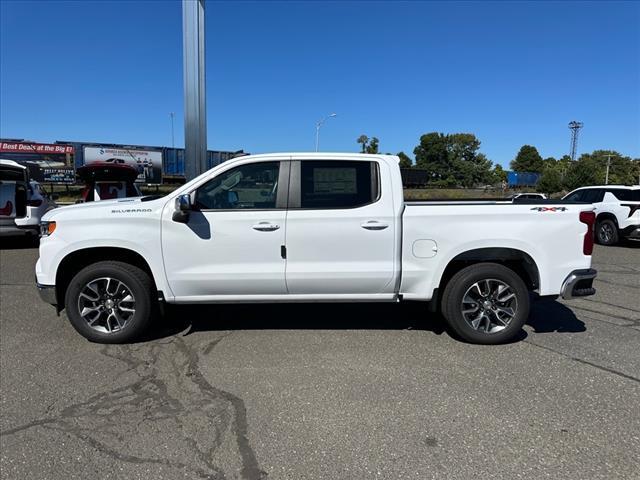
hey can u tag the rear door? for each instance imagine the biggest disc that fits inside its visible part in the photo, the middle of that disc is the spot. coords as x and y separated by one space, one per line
340 228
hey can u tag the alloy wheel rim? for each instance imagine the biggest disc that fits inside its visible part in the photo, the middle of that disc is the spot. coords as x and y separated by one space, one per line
106 304
606 232
489 305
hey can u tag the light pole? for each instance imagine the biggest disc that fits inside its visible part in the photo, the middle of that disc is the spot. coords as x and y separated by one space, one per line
318 125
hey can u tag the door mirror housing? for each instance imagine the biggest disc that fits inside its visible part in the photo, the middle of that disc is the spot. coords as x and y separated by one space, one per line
183 207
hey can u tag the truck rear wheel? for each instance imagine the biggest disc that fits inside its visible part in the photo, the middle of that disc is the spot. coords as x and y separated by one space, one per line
110 302
486 303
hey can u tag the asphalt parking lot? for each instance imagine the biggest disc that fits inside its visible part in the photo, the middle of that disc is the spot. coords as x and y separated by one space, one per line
323 391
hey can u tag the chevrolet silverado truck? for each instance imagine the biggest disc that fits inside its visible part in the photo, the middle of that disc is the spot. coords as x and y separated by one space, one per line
302 227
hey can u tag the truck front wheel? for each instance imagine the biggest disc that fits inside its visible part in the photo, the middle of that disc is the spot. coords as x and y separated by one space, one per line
110 302
486 303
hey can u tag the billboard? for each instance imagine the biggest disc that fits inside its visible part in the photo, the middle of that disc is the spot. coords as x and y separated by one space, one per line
147 162
47 163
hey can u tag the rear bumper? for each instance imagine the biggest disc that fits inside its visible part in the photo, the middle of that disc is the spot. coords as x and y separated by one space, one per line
14 230
632 231
579 283
48 293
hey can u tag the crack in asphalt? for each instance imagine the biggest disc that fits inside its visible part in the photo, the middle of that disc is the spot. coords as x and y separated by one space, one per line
632 321
172 403
584 362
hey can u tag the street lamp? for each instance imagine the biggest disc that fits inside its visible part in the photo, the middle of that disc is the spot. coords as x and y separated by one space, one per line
318 125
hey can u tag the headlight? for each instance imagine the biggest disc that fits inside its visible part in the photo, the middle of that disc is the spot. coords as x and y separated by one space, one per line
47 228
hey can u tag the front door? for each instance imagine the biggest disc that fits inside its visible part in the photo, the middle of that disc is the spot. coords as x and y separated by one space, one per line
340 229
232 242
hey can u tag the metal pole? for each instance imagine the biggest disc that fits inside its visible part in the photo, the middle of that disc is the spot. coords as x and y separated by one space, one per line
173 142
317 135
318 125
195 115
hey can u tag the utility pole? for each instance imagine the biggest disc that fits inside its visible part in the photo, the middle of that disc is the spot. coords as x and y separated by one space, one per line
195 109
173 143
606 178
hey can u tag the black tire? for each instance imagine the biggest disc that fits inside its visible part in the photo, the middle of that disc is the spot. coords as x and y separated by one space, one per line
138 285
463 281
607 232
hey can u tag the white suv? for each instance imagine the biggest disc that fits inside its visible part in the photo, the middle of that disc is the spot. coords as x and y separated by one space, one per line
617 208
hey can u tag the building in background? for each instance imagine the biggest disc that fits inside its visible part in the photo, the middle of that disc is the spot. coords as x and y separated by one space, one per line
47 162
56 162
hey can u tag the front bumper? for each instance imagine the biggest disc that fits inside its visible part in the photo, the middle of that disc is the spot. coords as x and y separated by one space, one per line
48 293
579 283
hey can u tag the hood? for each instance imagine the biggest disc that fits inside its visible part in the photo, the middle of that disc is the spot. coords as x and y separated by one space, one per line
104 207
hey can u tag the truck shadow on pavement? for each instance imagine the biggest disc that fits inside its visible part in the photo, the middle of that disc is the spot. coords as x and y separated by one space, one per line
299 316
546 316
550 316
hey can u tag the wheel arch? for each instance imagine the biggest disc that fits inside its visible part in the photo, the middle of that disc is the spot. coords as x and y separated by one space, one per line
517 260
607 216
75 261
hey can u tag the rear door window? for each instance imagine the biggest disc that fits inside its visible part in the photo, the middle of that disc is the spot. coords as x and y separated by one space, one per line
337 184
593 195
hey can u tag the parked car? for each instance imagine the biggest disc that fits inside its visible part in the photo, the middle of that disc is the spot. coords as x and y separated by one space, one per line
617 209
23 201
529 196
107 180
300 227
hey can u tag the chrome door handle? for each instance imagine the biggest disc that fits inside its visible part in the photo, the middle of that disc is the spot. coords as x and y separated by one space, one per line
266 227
373 225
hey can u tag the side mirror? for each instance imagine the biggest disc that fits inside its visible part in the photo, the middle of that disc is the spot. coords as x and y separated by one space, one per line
183 207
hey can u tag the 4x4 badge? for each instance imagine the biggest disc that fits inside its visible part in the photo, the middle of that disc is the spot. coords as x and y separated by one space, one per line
550 209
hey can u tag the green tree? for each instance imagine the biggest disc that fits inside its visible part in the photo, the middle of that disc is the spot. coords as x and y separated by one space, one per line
591 168
373 145
550 182
499 174
363 139
432 155
405 161
453 159
528 160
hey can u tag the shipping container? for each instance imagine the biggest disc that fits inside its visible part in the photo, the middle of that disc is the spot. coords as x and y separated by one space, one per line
172 158
523 179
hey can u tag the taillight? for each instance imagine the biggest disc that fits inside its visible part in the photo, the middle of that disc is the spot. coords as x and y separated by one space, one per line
34 203
589 218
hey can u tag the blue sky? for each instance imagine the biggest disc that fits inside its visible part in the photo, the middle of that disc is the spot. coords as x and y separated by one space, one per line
512 73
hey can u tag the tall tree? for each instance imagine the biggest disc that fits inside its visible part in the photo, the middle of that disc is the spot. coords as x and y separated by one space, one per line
452 159
432 154
373 145
527 160
363 139
405 161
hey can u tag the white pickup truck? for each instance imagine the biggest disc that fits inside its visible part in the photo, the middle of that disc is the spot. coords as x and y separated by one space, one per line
301 227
